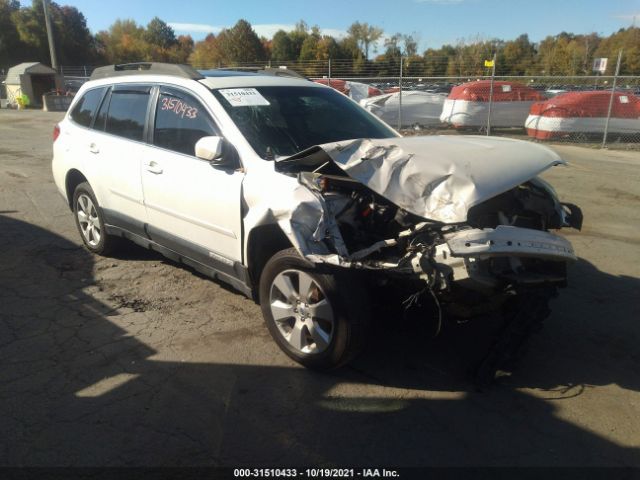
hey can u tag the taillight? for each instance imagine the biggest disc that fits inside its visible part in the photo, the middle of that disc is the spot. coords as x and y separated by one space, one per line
56 132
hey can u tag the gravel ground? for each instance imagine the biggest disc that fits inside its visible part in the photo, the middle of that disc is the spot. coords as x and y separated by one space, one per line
134 360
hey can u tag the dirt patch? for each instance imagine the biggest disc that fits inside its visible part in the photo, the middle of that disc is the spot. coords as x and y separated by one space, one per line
619 194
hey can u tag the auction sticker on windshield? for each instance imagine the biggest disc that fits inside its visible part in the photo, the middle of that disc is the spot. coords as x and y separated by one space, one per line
244 97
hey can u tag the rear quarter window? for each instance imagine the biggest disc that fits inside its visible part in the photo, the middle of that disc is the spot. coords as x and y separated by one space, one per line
85 109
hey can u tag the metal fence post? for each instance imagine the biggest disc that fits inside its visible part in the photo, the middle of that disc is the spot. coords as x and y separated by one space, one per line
613 92
400 96
329 72
493 75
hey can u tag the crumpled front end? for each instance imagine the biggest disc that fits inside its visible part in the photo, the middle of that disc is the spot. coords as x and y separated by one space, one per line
457 214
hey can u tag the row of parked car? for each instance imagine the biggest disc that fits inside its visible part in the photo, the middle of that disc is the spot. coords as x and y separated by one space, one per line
512 105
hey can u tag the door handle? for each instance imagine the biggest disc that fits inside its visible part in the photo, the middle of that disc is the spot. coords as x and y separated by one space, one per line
153 167
93 148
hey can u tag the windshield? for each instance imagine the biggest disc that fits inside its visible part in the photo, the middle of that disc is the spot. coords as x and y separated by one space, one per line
282 121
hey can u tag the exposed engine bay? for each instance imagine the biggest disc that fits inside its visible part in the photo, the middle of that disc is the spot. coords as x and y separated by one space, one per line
502 240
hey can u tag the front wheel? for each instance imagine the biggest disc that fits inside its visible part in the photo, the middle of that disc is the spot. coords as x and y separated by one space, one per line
314 317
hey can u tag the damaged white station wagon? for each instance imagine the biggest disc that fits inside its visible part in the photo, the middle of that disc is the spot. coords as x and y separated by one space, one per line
298 197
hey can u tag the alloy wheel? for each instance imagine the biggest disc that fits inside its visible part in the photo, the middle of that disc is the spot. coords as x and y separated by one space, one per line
88 220
301 311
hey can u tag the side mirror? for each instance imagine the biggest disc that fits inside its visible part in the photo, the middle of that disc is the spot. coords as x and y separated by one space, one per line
210 149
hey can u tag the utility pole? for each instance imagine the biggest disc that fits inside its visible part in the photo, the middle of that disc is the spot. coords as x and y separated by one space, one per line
52 44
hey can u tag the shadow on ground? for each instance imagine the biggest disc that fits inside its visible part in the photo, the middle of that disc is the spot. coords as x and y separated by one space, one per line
406 402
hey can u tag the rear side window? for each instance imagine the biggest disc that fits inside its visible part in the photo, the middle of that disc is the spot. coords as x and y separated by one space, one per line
101 117
127 112
180 122
85 109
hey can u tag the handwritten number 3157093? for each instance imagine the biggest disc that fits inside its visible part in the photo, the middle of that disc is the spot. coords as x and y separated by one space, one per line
179 107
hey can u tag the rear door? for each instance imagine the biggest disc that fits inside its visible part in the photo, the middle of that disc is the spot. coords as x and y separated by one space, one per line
74 145
119 146
193 207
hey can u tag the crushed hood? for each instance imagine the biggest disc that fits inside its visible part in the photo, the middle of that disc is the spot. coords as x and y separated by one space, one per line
435 177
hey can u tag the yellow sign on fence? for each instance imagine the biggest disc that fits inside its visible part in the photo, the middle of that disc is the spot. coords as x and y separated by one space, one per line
488 63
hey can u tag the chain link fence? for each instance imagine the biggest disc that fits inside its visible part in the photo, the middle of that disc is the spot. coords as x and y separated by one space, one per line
597 110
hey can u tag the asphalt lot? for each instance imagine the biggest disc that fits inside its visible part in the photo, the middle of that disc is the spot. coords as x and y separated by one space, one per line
134 360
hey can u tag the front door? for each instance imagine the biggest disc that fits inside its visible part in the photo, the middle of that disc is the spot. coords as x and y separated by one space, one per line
193 207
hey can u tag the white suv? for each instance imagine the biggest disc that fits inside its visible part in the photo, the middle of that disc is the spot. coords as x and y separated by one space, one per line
296 196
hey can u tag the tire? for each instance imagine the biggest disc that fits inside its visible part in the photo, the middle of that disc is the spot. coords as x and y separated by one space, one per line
321 329
90 221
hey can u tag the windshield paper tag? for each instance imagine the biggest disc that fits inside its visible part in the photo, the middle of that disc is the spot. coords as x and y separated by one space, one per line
244 97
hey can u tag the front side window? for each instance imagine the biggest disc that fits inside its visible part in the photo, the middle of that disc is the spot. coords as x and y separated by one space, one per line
85 109
127 112
281 121
180 122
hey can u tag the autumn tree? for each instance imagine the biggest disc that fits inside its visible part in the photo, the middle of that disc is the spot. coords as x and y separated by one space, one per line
627 40
517 57
124 42
365 35
74 43
206 53
183 48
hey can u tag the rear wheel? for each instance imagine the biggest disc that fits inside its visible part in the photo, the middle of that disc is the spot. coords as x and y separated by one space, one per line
314 317
90 221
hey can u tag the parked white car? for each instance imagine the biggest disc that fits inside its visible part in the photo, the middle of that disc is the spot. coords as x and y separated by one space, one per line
420 109
298 197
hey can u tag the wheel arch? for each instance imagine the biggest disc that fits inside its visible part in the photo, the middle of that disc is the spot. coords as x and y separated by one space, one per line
73 178
263 242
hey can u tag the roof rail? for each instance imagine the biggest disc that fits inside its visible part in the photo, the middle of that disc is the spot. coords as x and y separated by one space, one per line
146 68
278 72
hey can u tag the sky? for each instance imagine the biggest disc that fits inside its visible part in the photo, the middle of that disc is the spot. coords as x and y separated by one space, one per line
432 22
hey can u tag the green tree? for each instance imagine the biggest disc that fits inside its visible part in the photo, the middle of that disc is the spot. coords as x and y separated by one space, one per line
160 34
517 57
365 35
282 47
298 36
240 44
392 47
309 49
327 48
410 45
10 45
436 61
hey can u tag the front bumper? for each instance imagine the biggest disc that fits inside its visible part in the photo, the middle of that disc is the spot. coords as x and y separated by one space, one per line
510 242
488 258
